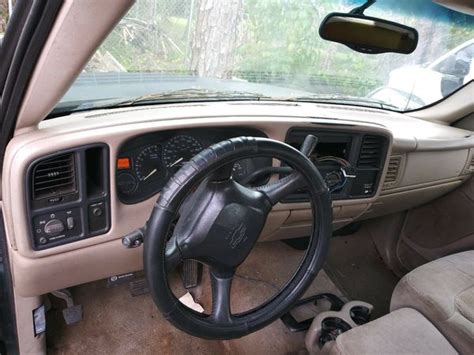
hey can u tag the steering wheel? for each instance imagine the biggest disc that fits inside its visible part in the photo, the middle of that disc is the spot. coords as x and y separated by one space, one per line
218 226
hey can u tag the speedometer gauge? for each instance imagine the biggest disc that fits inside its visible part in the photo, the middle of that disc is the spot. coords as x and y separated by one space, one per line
179 149
148 164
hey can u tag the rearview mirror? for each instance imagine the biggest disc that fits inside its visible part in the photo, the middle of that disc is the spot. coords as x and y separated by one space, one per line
368 34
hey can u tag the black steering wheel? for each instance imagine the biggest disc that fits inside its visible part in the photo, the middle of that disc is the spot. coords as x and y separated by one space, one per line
220 223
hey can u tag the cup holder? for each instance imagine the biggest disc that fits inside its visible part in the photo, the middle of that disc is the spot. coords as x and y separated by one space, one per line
327 326
331 328
360 314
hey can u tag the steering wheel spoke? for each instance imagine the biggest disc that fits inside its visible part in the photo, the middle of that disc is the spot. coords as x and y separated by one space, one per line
221 284
172 254
277 190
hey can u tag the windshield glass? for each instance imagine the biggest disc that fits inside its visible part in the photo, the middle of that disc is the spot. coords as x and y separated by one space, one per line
188 50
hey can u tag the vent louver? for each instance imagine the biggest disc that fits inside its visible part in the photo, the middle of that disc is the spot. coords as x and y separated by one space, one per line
471 164
392 171
371 152
54 177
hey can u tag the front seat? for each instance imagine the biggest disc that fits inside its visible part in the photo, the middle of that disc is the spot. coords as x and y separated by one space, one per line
443 291
404 331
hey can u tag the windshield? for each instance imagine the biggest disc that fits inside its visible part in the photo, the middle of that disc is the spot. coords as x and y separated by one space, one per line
189 50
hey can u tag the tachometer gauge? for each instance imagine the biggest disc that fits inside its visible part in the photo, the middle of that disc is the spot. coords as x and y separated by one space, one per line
178 150
148 165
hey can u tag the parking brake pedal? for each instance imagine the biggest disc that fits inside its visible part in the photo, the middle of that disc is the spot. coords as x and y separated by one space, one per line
72 313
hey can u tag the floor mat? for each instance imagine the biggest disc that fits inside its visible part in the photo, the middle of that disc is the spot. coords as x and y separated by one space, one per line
356 268
117 323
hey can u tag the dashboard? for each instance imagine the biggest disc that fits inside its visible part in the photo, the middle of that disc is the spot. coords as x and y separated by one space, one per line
109 166
69 191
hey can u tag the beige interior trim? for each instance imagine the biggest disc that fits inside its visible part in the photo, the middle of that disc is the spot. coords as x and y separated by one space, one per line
423 185
442 227
451 109
27 341
423 167
79 29
466 122
400 201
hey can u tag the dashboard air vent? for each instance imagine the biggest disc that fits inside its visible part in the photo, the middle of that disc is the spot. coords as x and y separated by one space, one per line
54 177
392 171
470 168
371 151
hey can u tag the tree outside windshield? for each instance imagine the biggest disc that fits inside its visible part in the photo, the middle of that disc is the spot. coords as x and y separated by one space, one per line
4 14
272 47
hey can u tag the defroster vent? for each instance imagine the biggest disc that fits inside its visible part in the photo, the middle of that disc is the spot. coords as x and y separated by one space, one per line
54 177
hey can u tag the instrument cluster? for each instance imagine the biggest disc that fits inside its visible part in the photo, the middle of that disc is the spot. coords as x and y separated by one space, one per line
145 163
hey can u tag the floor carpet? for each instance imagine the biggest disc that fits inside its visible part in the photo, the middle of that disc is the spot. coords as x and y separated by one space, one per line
117 323
357 269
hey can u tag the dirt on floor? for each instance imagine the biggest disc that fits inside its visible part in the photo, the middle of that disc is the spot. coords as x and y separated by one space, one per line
355 266
117 323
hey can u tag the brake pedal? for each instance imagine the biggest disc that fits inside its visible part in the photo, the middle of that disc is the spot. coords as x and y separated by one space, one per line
72 313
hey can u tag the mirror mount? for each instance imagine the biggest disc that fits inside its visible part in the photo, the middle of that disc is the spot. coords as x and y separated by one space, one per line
360 10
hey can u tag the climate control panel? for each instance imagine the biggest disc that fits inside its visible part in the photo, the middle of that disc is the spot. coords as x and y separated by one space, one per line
51 227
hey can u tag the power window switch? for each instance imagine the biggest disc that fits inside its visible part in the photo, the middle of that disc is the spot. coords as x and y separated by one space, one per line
70 223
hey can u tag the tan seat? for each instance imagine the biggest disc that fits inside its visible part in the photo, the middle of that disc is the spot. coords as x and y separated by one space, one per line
443 291
404 331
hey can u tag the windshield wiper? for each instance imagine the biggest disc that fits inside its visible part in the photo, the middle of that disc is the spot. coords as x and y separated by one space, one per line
348 100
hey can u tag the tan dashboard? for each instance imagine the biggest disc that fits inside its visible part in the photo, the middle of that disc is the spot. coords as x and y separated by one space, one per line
422 161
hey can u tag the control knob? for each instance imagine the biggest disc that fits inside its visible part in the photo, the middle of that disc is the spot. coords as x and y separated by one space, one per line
54 226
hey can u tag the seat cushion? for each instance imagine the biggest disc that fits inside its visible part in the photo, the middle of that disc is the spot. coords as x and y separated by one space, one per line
404 331
443 291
